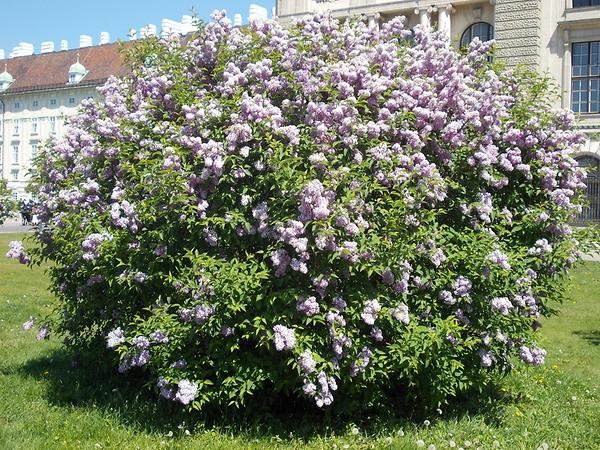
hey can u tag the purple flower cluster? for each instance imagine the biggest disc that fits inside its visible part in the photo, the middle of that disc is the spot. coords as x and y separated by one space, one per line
28 325
322 392
159 337
17 251
370 311
115 337
362 361
533 356
201 313
284 338
315 202
502 305
308 306
43 333
186 392
500 259
307 362
400 313
91 243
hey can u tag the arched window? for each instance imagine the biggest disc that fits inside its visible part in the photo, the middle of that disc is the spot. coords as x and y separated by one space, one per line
483 30
591 164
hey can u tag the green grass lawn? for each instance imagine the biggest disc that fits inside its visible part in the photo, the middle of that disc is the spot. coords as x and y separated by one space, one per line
52 399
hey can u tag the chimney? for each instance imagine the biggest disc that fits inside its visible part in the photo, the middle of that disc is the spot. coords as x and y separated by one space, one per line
169 27
47 47
64 45
189 24
257 12
104 38
23 49
85 41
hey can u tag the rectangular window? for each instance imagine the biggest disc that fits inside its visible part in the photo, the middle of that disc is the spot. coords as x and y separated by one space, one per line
71 100
16 127
34 149
35 103
15 153
15 174
34 126
52 124
584 3
17 105
585 77
53 102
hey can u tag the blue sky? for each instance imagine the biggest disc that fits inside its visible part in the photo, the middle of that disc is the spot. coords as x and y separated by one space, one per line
36 21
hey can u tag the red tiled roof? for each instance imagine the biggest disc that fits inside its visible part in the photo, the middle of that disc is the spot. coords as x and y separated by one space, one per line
50 70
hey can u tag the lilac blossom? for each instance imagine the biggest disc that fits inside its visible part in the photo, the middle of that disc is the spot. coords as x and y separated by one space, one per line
400 313
159 337
501 305
115 337
43 333
186 392
486 357
362 361
533 356
370 311
167 391
28 325
500 259
284 338
308 306
306 362
17 251
201 313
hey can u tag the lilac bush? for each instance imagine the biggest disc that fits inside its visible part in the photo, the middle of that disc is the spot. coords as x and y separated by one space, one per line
335 212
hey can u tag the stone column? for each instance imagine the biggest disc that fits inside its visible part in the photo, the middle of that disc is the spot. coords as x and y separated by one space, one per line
424 17
374 20
444 24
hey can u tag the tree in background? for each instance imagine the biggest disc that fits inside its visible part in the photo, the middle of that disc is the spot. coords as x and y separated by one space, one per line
7 202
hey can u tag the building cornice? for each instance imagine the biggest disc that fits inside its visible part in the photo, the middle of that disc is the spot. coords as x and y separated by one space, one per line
59 88
588 17
383 7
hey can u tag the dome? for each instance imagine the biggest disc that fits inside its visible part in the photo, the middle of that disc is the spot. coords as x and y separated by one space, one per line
76 72
6 77
77 69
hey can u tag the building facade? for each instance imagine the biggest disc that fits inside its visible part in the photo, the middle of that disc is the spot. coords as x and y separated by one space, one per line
560 38
37 93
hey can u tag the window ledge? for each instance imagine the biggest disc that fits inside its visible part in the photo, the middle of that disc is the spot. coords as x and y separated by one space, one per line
578 17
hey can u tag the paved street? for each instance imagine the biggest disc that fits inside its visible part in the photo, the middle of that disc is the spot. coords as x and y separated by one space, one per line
13 225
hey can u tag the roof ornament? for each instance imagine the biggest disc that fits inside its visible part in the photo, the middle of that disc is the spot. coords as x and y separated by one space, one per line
6 78
77 71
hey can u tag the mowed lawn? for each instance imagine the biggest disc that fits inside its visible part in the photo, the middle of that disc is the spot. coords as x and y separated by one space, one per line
53 399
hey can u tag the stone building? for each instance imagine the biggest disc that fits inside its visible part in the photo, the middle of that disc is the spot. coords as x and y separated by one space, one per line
37 93
560 38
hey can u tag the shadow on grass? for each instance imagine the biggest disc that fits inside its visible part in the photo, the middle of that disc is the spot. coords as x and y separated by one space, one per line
90 383
593 337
